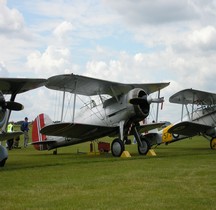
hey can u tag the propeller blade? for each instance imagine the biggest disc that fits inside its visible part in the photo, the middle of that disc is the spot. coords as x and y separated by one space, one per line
157 100
144 100
138 101
11 105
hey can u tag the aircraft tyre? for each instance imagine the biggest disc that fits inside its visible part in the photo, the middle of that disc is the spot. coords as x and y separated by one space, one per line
213 143
2 163
117 147
3 155
146 146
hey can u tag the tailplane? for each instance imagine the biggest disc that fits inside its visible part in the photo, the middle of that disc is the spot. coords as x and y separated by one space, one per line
38 139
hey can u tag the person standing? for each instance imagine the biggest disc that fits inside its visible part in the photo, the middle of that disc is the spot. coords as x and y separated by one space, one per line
9 130
25 129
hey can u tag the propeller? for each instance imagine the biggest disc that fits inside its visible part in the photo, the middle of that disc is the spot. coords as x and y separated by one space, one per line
11 105
146 99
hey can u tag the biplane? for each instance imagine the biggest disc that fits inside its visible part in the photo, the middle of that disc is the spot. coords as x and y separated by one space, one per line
12 86
117 115
200 118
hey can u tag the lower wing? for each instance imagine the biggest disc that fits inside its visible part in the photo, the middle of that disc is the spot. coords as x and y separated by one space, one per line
148 127
189 128
78 131
11 135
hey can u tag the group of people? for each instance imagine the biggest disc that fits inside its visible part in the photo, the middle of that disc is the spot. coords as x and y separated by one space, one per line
14 143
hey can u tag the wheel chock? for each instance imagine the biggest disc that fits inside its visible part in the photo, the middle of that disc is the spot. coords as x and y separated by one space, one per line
125 154
151 152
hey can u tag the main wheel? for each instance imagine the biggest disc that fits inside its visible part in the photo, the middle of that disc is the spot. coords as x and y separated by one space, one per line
146 146
3 155
213 143
117 147
2 163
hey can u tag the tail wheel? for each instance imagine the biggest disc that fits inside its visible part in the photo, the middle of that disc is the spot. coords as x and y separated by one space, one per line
213 143
117 147
143 150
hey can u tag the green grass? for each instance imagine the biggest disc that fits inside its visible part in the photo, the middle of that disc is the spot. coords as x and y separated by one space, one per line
181 176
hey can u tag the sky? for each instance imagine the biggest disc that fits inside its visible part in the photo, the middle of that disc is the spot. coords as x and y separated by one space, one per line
124 41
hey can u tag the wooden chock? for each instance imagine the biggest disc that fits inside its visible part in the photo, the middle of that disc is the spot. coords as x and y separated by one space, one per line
151 152
125 154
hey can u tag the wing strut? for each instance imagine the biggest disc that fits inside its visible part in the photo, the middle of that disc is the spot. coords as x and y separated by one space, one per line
188 113
74 104
114 93
63 101
192 107
157 107
182 112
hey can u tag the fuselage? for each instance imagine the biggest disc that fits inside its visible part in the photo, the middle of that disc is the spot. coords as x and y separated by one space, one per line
205 115
113 110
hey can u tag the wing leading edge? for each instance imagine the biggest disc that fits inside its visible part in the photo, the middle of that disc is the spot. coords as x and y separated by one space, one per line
90 86
19 85
188 128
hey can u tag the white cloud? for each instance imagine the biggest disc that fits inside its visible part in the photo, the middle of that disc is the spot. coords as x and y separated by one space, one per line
11 20
153 12
3 70
204 38
52 61
62 30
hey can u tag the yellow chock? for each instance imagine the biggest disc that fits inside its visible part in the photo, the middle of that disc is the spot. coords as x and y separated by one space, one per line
125 154
151 152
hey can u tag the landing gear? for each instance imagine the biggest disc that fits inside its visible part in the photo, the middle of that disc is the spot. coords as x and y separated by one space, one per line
213 143
55 152
142 143
117 147
144 148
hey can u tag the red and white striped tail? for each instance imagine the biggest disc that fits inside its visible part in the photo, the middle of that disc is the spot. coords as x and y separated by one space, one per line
39 122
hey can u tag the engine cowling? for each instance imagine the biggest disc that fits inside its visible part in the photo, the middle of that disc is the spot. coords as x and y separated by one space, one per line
7 105
141 109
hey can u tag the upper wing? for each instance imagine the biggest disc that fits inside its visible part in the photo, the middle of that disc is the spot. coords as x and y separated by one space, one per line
19 85
6 136
191 96
79 131
90 86
188 128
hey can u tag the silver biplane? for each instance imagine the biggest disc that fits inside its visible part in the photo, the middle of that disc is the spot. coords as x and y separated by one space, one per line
202 118
12 86
117 116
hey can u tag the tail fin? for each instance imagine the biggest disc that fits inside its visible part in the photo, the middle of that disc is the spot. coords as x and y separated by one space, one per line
38 139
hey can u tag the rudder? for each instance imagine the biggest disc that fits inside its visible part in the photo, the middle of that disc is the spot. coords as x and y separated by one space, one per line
39 122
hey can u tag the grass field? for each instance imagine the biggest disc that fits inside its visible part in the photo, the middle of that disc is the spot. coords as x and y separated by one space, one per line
181 176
